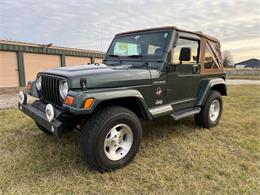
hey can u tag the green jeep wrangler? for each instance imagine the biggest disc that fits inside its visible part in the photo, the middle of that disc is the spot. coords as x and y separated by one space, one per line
145 74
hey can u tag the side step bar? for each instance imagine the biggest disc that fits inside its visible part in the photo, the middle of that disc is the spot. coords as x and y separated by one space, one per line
184 114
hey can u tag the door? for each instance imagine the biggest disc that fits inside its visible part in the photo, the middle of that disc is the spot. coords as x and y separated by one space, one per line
8 69
34 63
183 76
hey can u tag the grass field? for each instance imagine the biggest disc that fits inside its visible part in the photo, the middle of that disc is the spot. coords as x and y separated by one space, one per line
174 158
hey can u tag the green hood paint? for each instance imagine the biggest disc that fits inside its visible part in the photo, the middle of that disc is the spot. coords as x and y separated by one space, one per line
103 76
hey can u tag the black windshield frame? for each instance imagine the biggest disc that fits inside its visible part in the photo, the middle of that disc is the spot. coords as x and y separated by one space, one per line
163 47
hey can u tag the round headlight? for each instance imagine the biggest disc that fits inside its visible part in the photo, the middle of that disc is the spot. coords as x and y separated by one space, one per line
64 88
49 112
39 83
22 97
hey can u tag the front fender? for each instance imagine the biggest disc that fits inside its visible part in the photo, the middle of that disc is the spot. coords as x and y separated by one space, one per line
101 96
206 86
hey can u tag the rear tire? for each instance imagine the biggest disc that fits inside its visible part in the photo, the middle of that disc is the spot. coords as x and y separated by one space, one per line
211 111
43 129
110 138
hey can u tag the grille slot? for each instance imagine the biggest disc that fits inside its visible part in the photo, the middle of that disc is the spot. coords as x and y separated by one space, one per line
50 90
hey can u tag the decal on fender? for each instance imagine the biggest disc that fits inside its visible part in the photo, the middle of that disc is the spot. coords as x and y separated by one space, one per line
158 91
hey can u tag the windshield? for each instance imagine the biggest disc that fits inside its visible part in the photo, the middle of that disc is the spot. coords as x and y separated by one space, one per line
151 45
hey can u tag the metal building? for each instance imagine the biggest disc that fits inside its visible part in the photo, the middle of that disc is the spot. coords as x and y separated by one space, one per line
20 62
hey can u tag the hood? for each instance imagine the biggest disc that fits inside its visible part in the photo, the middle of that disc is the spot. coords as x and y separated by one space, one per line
103 76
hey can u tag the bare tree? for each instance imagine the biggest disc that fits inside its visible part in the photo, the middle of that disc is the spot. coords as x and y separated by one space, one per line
227 59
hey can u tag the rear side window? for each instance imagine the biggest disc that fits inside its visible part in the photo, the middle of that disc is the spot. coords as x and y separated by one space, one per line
209 59
186 43
212 54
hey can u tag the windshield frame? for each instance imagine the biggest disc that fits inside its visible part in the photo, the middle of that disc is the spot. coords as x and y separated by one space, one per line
156 57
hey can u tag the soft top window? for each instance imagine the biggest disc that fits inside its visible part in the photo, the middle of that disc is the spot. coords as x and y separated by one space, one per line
212 56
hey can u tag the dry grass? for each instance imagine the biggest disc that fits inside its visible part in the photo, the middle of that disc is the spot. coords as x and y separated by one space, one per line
175 157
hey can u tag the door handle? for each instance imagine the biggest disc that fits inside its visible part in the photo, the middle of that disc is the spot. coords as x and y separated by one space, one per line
195 68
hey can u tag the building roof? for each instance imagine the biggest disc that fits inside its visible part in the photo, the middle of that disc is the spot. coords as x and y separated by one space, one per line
255 63
51 46
47 49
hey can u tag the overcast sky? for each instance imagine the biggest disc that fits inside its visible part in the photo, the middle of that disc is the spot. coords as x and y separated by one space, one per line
91 24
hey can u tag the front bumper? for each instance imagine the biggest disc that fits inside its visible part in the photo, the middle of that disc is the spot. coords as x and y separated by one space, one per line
36 112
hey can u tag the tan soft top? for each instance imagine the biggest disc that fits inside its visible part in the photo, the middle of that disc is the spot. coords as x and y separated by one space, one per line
171 28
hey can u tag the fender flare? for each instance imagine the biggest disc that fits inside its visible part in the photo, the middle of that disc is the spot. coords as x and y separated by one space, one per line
101 96
206 86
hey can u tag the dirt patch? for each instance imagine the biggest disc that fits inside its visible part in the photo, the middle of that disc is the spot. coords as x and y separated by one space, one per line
10 100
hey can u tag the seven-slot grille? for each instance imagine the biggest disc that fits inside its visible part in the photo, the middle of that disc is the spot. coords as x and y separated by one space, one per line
50 90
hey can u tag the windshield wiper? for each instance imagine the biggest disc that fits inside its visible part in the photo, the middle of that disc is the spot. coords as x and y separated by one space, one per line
134 56
117 57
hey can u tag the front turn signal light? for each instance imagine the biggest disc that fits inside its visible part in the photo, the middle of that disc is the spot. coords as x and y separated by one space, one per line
88 103
69 100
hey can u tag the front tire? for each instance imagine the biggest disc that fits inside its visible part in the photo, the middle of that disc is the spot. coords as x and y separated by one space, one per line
110 138
211 112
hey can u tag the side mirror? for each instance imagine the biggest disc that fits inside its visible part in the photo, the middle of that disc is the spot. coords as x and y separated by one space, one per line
185 54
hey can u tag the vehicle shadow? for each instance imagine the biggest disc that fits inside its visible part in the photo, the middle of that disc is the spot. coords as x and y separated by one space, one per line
167 125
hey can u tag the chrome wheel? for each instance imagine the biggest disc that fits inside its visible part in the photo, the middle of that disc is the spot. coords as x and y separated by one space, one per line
118 142
214 110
